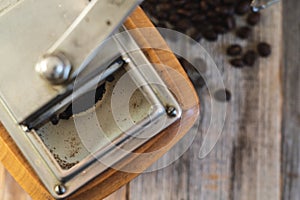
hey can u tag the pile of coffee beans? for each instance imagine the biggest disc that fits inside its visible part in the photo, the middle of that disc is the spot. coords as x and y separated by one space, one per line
249 57
209 19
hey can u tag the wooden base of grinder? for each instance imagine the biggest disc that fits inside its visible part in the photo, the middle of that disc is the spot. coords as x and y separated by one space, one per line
111 180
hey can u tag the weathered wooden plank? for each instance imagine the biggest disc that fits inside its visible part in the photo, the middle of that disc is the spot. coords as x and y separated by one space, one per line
245 163
291 108
9 188
121 194
2 181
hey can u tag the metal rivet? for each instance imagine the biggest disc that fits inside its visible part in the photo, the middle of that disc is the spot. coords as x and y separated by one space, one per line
171 111
126 59
54 68
25 128
60 189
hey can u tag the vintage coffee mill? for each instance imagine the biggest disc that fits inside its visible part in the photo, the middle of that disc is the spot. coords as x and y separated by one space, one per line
84 96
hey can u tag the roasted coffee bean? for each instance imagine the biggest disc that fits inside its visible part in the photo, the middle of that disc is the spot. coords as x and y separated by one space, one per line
197 36
215 21
213 4
83 102
211 14
200 64
194 75
229 22
203 5
182 25
110 78
222 95
210 35
230 1
184 12
253 18
66 114
100 92
220 29
242 7
187 66
164 7
54 120
178 3
234 50
162 15
264 49
199 82
243 32
174 17
237 62
204 26
149 8
161 25
249 58
225 10
198 18
190 5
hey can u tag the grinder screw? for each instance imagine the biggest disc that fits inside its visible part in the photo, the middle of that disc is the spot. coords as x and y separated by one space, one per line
60 189
171 111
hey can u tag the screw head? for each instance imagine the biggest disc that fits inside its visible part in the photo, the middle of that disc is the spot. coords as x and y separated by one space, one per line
54 68
60 189
171 111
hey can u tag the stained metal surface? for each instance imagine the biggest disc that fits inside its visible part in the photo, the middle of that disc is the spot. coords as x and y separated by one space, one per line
28 30
86 143
84 38
64 141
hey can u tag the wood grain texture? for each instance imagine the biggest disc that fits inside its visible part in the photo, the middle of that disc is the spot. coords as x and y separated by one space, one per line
2 181
121 194
9 188
111 180
232 170
17 165
291 108
245 163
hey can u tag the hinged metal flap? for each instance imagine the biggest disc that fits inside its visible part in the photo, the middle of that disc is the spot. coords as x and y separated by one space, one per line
30 28
93 26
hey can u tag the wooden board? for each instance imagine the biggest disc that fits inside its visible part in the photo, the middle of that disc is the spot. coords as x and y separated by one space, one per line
9 188
291 106
232 170
111 180
245 163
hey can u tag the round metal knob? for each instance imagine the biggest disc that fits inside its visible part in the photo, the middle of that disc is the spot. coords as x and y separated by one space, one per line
54 68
